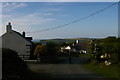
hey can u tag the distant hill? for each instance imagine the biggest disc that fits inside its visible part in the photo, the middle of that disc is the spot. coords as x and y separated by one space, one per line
36 40
63 40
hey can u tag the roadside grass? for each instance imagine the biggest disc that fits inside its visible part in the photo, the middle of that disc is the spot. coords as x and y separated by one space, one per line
107 71
110 71
85 55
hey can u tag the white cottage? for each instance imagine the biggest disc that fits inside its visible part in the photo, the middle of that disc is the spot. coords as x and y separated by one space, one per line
17 42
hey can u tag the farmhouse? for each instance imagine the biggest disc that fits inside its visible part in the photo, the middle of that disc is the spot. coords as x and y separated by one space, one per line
17 42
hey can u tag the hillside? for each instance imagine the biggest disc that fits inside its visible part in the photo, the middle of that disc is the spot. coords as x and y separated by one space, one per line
64 40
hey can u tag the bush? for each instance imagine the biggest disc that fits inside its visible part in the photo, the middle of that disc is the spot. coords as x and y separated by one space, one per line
13 65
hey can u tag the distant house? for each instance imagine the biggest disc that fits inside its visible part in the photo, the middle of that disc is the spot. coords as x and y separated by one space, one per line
80 47
65 48
17 42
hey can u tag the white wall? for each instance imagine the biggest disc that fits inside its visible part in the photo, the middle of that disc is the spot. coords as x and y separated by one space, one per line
15 42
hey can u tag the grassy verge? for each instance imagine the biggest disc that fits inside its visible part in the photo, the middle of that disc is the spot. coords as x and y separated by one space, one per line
111 71
85 55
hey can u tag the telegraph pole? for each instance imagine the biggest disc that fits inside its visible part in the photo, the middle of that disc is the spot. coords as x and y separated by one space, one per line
69 57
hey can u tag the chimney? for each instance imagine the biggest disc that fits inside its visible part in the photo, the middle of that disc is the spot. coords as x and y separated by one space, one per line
8 27
23 33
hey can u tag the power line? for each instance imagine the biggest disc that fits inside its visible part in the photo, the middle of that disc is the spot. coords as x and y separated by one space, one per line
77 20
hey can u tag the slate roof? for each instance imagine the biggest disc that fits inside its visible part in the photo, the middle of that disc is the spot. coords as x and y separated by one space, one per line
26 38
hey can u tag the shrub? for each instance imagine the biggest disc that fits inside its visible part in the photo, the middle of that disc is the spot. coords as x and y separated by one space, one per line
12 64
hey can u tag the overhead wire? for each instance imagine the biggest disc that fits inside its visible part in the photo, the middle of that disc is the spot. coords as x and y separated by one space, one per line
75 21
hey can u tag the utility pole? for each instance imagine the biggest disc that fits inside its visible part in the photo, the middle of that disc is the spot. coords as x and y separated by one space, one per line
69 48
69 57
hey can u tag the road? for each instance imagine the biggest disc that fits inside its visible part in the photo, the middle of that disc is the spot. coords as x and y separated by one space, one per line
64 70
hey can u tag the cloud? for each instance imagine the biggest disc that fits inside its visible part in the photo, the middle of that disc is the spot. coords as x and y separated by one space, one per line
48 14
6 16
24 23
12 6
53 9
31 19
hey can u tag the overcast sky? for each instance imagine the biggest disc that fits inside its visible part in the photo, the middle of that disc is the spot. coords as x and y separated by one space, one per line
36 16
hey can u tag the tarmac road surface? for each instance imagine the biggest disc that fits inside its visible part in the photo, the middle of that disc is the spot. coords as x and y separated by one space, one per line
65 70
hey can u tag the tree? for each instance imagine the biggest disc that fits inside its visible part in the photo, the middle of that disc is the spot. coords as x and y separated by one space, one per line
41 50
52 49
111 48
46 52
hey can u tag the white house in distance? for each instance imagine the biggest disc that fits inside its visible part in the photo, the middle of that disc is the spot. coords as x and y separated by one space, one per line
17 42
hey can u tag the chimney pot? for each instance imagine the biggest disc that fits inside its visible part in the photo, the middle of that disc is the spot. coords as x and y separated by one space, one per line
9 27
23 33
